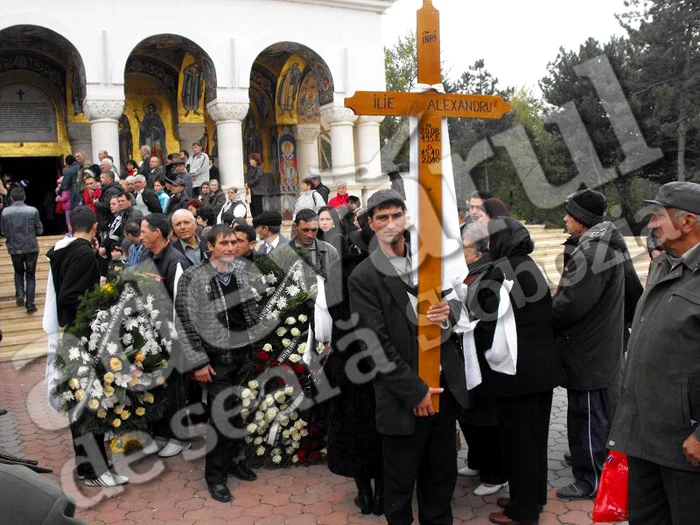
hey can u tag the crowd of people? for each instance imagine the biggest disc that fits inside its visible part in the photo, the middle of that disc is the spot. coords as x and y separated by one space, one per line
623 353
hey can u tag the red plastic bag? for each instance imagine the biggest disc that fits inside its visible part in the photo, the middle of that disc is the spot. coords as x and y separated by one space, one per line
611 501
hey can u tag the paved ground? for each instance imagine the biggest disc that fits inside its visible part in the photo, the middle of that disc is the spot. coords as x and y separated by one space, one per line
173 491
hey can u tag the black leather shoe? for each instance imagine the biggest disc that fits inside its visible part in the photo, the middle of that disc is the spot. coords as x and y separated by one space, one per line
31 308
19 301
3 411
568 459
242 471
377 500
220 493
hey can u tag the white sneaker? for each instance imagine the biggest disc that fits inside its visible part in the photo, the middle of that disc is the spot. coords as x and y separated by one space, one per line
151 448
107 480
173 448
466 471
486 489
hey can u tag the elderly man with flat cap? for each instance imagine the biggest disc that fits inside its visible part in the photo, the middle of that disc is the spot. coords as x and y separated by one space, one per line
179 198
656 423
267 225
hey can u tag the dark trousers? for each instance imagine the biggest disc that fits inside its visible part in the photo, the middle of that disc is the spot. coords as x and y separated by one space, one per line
524 426
484 452
171 426
90 453
588 424
256 205
662 495
222 448
24 265
427 458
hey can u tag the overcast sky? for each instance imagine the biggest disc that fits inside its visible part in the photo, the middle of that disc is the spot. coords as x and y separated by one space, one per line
517 39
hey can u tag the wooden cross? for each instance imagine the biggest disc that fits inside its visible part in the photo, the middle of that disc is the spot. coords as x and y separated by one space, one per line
431 108
21 94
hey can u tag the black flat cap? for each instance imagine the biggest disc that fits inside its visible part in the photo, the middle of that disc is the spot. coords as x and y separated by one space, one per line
680 195
382 196
268 218
176 181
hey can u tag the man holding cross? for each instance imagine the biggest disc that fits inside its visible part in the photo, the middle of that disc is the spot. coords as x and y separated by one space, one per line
418 443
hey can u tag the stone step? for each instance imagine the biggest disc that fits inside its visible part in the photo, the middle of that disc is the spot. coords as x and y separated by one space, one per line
23 324
21 352
8 304
17 314
7 288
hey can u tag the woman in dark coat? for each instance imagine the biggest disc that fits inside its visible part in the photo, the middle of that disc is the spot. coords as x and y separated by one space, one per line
354 445
254 182
523 400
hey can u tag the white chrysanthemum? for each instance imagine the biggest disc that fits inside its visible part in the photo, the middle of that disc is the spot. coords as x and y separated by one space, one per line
158 324
245 413
95 325
85 357
258 440
259 416
279 396
304 432
324 451
295 332
127 311
269 290
289 390
246 393
127 339
245 402
260 451
284 421
73 353
271 414
83 370
84 382
97 391
277 459
290 321
295 459
302 348
286 343
267 347
292 290
271 279
269 400
253 384
285 434
302 318
67 395
122 380
251 428
295 358
281 303
320 347
154 314
248 439
130 323
299 425
112 348
281 331
296 436
294 416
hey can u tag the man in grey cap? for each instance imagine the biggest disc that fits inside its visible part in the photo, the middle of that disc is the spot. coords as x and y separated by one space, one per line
588 311
656 423
418 447
179 198
267 225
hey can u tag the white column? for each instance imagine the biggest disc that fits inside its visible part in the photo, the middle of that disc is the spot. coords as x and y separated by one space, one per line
188 133
104 126
80 138
307 149
341 121
368 145
229 117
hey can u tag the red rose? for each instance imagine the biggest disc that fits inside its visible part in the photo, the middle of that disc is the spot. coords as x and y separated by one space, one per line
274 363
301 454
259 369
263 356
280 381
300 369
315 455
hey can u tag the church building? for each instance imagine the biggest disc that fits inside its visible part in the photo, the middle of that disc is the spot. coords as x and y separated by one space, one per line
241 76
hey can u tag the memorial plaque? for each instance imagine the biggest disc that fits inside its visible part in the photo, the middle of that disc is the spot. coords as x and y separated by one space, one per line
26 115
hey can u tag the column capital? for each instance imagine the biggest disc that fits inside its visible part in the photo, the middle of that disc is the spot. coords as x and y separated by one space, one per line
225 110
364 120
338 115
307 132
103 109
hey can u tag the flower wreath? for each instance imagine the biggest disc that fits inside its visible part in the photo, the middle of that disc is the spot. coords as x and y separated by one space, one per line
112 363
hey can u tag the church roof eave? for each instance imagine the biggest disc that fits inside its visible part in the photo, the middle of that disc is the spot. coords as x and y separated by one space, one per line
377 6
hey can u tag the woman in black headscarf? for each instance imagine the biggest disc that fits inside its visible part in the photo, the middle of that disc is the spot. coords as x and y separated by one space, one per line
523 400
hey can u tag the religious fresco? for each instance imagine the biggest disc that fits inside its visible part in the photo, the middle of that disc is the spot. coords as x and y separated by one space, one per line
287 90
190 100
288 175
126 144
309 105
150 113
43 66
315 63
252 141
156 69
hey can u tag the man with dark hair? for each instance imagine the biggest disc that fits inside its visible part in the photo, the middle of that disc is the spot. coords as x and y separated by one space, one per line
321 188
476 203
305 229
110 189
135 250
245 240
267 226
179 198
354 204
215 345
418 445
20 225
74 271
589 318
168 265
